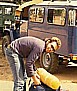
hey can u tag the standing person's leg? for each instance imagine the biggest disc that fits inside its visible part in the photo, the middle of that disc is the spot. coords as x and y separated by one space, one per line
17 66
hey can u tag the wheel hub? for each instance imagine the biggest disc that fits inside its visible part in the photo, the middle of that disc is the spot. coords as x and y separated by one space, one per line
46 60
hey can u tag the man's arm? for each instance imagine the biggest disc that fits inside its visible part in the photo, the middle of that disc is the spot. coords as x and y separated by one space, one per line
36 79
30 66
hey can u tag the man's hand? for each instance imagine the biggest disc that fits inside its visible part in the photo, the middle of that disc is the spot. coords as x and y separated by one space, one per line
36 79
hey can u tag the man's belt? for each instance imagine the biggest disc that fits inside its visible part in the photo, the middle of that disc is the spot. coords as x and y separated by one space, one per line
9 47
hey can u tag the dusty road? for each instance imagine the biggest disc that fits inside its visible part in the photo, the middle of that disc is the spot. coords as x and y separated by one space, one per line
67 73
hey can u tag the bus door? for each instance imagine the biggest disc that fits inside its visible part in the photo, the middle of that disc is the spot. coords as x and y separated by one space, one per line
56 26
73 24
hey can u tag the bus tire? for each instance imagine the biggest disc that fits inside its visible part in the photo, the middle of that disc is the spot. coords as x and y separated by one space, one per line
49 61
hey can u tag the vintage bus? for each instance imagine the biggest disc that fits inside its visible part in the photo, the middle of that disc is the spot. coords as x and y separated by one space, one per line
55 19
8 23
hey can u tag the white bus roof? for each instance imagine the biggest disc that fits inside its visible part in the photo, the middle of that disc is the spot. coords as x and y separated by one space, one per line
66 3
7 4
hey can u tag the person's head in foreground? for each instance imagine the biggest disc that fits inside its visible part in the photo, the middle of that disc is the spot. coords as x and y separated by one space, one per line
52 44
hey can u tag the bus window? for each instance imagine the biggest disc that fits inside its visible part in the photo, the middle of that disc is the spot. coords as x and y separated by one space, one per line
8 11
36 15
76 18
56 16
72 17
0 10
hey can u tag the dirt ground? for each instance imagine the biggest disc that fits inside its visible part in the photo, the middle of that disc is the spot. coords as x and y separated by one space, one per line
5 71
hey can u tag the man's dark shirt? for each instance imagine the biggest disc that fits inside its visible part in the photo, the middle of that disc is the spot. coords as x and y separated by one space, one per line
29 48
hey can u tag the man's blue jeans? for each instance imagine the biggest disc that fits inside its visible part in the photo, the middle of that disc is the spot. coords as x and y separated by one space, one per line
17 67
